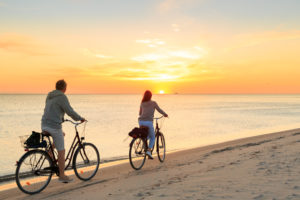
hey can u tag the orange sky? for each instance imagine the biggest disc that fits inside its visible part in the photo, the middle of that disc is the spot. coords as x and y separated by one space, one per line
172 45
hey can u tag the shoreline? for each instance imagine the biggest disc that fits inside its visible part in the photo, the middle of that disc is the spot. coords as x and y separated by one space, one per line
7 182
111 179
8 178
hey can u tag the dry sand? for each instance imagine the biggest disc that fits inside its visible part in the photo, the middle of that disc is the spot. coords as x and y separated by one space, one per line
261 167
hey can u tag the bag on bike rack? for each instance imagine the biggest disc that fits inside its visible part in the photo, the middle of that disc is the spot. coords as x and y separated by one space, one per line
33 140
139 132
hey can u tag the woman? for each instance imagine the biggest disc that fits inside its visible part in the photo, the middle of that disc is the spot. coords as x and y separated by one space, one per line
146 114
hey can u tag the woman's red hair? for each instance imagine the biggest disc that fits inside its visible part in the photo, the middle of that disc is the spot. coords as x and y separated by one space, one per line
147 96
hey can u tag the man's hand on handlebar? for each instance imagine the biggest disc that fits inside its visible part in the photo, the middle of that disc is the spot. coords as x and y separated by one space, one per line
83 120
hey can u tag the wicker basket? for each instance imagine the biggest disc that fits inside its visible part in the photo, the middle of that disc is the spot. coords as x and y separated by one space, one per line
23 139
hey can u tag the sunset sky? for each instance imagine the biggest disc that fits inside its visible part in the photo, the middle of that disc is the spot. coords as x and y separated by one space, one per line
175 46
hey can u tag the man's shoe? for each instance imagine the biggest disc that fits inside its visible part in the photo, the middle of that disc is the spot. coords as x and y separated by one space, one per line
148 153
65 179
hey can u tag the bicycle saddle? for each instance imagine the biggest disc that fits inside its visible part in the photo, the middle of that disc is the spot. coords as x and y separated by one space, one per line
146 127
46 133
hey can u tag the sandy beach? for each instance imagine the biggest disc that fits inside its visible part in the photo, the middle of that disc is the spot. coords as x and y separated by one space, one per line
260 167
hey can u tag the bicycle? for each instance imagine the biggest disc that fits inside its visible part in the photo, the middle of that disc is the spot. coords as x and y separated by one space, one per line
36 167
139 146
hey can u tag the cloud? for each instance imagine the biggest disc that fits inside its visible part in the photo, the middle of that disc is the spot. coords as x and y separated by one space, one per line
151 42
167 71
175 27
185 54
200 49
149 57
144 41
22 44
167 65
254 39
164 65
104 71
103 56
95 53
170 55
152 72
130 71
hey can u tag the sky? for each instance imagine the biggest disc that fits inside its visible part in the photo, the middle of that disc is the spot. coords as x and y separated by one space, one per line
174 46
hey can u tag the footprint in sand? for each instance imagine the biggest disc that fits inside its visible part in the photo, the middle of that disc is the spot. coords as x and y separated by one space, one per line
261 163
174 180
162 195
235 162
143 194
261 196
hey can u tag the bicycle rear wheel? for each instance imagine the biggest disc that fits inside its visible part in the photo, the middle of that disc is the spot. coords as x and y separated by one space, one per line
34 171
161 147
86 161
137 154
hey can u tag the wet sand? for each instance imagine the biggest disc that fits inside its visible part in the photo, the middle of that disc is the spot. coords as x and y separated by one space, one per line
260 167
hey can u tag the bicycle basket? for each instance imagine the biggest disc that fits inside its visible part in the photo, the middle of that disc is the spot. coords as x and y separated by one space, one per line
139 132
33 140
23 139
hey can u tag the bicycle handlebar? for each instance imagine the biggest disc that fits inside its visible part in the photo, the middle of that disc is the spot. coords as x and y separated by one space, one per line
73 122
158 117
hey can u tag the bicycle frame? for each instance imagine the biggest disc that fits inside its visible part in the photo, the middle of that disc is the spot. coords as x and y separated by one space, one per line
76 142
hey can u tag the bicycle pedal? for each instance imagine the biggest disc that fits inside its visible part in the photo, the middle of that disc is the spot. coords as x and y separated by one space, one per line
55 170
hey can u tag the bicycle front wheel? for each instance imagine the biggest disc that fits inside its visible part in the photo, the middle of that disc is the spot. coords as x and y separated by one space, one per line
86 161
137 154
34 171
161 147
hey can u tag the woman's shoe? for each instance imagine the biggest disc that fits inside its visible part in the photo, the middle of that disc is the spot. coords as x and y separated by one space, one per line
65 179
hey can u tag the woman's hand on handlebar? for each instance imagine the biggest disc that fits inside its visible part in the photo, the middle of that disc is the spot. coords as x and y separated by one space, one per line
83 120
166 115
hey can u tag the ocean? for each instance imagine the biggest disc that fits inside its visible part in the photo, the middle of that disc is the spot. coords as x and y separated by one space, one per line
194 120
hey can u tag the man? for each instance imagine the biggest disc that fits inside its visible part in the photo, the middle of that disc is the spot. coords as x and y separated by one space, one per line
57 104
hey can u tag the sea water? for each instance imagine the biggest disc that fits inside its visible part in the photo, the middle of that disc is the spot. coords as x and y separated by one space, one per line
194 120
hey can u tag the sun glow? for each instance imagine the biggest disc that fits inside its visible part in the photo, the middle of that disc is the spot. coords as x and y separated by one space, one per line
179 54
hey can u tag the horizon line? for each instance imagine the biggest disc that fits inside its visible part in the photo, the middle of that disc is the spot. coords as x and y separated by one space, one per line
20 93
